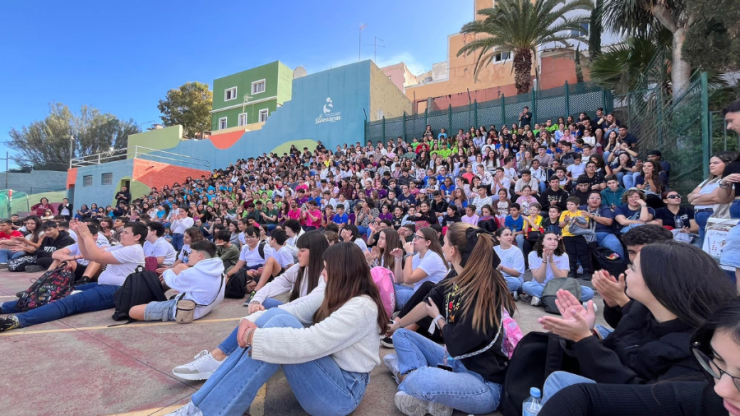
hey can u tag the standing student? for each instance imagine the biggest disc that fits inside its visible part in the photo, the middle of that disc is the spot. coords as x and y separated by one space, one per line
424 262
576 245
512 260
330 372
467 309
121 260
179 223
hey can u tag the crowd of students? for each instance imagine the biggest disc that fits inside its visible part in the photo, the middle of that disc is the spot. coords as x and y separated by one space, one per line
458 220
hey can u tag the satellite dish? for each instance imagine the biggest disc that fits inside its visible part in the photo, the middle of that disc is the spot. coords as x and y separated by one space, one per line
299 72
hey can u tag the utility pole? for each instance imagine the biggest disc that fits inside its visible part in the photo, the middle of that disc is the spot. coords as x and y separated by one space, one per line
71 150
359 43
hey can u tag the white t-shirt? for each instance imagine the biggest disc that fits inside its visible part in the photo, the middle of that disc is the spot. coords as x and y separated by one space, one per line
129 256
283 256
252 257
100 241
184 253
561 262
361 244
160 248
511 258
433 266
576 170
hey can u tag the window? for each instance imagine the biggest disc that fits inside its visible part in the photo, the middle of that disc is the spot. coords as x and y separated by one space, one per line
580 33
501 57
258 86
87 180
222 123
242 119
263 115
230 94
107 179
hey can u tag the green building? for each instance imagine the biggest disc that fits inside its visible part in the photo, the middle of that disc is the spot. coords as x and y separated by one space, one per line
267 87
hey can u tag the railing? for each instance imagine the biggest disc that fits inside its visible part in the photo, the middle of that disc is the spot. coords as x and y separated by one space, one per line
139 152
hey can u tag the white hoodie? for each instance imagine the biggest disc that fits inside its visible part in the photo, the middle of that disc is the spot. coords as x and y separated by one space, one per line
199 283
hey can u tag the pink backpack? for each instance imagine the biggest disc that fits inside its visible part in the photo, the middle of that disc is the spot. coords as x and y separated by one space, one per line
512 333
384 279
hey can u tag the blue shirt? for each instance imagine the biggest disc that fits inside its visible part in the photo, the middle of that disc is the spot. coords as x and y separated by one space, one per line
340 219
514 224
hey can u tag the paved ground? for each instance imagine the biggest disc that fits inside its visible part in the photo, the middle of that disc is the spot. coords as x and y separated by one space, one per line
81 366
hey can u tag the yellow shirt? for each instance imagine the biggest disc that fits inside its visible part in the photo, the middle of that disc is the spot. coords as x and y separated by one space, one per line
537 222
566 231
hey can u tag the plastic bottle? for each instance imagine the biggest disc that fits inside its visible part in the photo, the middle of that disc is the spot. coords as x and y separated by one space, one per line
678 223
532 405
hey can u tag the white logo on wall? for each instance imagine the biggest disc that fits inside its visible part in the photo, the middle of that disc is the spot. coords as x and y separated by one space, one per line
329 116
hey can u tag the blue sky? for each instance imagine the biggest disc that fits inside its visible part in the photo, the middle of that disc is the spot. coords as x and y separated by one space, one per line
122 57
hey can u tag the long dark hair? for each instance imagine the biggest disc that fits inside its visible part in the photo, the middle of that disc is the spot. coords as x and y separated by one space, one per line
538 246
392 241
36 233
671 270
726 318
316 243
431 236
348 276
354 230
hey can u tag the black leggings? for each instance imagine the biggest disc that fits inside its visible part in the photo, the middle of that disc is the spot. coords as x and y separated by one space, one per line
661 399
577 249
424 323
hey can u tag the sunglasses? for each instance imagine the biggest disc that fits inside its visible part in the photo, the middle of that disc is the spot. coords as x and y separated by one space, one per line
711 367
677 196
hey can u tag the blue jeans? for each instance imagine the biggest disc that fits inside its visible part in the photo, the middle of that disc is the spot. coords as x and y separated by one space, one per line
701 220
560 380
364 231
543 186
94 297
520 242
533 288
603 331
610 241
178 241
321 387
628 180
230 344
403 294
513 283
460 389
6 255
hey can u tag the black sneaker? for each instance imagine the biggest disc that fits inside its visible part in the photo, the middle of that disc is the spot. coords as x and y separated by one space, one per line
587 276
570 274
20 294
387 342
8 323
33 268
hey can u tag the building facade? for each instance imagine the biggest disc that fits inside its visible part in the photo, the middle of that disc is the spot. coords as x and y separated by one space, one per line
266 88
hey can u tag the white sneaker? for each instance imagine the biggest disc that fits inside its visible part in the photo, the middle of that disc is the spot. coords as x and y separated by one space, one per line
187 410
585 305
515 296
411 406
535 301
391 363
202 367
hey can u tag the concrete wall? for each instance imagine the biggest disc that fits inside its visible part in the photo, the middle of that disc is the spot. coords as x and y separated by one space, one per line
97 192
385 97
35 181
155 139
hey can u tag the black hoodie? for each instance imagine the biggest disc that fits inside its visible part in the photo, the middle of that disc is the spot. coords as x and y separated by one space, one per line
50 245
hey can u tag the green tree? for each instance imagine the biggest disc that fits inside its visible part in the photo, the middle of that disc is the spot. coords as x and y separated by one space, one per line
45 143
188 106
641 17
595 30
713 43
621 67
521 27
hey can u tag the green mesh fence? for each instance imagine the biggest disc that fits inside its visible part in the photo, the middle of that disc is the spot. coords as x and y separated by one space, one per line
13 202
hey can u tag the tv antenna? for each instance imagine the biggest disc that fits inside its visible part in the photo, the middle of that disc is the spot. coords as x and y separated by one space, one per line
376 46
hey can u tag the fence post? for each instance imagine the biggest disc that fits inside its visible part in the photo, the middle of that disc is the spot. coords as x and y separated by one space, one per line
404 127
449 120
475 113
567 100
503 110
706 150
533 106
384 138
426 118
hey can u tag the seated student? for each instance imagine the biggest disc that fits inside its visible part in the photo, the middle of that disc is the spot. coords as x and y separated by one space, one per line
250 257
581 190
612 195
278 257
225 250
294 231
84 270
53 240
299 279
472 302
672 212
121 260
548 260
191 235
8 234
512 260
351 234
603 217
388 240
340 218
487 220
470 216
198 280
424 262
651 342
634 211
576 245
330 372
515 222
156 246
714 345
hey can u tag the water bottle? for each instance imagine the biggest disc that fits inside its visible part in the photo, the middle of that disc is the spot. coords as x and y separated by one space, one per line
678 223
532 405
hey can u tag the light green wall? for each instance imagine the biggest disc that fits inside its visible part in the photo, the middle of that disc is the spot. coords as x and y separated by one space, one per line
285 83
253 112
161 139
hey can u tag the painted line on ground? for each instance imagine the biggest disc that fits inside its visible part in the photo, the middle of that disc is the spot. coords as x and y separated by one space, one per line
97 328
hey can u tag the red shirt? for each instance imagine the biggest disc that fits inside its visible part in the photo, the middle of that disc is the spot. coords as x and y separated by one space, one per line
14 233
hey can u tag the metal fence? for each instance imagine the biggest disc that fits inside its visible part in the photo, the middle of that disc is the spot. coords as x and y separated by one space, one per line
139 152
544 104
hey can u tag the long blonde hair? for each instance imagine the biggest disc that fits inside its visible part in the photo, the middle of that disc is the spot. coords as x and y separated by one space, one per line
479 279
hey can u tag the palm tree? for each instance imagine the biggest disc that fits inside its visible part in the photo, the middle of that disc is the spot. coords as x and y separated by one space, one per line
625 66
641 17
521 27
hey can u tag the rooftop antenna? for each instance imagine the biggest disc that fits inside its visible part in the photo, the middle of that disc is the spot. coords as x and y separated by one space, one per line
376 46
359 43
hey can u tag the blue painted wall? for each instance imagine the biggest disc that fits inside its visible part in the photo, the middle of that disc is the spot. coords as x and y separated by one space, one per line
99 193
304 117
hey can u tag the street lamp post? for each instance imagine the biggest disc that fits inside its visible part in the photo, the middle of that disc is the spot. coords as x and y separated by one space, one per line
71 150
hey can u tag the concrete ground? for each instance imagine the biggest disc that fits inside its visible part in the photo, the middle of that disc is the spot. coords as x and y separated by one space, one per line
81 366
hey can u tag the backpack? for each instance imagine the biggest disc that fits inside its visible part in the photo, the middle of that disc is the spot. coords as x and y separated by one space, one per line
236 286
51 286
384 279
150 263
139 288
512 333
606 259
536 356
549 293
